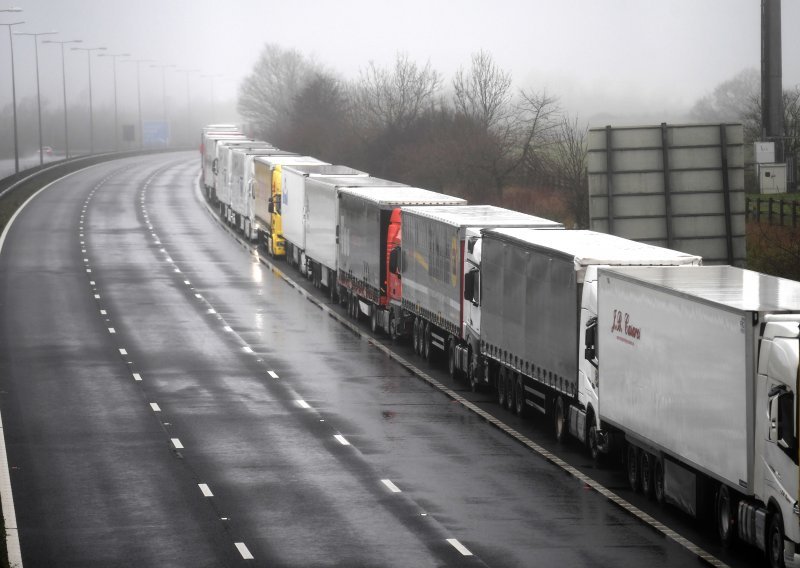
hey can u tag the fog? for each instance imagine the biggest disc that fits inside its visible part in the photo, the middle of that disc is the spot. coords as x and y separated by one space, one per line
623 60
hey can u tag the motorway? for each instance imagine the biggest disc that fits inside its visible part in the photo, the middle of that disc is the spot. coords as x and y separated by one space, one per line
168 398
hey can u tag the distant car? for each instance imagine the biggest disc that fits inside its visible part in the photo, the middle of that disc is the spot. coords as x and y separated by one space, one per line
47 151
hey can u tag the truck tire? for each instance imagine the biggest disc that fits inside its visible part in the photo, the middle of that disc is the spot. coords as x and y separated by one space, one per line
632 467
451 357
511 392
774 543
415 335
646 460
500 387
373 319
725 516
471 377
591 436
519 396
426 342
559 419
658 482
393 335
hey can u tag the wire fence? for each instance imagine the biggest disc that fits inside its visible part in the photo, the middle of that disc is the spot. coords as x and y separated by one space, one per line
773 211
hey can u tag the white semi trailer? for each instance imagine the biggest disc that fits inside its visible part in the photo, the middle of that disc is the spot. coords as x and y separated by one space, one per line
698 372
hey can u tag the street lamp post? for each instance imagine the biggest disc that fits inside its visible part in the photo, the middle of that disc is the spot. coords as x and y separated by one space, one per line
64 89
139 95
89 51
116 116
13 87
35 37
164 93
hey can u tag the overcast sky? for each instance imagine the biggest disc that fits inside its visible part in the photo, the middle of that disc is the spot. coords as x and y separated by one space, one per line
638 57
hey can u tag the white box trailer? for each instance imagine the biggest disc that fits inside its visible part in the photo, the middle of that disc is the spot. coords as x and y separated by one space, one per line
695 366
267 198
321 219
538 292
222 179
367 215
242 192
209 153
293 205
438 246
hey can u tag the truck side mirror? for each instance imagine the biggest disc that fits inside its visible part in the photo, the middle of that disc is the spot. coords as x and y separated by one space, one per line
469 285
270 206
590 340
394 261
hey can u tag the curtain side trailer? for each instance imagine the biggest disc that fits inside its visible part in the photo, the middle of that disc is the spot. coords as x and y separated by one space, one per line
538 291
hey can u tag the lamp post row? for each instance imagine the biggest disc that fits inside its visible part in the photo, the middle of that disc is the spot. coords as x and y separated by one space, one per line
88 51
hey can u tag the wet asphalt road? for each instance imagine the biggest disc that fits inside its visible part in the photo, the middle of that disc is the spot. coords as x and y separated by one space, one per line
169 400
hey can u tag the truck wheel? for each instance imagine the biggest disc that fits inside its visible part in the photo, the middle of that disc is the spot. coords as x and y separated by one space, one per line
646 472
726 518
775 541
559 419
500 385
373 319
519 396
658 481
591 437
426 343
473 380
510 382
415 335
633 467
393 335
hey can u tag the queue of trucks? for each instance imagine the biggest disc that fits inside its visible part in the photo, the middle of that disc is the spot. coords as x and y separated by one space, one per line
690 373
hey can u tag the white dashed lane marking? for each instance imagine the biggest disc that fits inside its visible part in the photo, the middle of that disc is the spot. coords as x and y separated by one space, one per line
243 550
392 487
460 547
272 374
137 377
123 352
155 407
302 403
205 489
177 443
341 439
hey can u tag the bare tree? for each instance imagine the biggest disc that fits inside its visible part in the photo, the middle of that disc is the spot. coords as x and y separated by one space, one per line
318 121
267 95
567 161
484 93
506 129
734 100
393 98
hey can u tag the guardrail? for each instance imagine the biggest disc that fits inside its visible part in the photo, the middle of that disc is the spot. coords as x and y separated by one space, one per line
773 211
